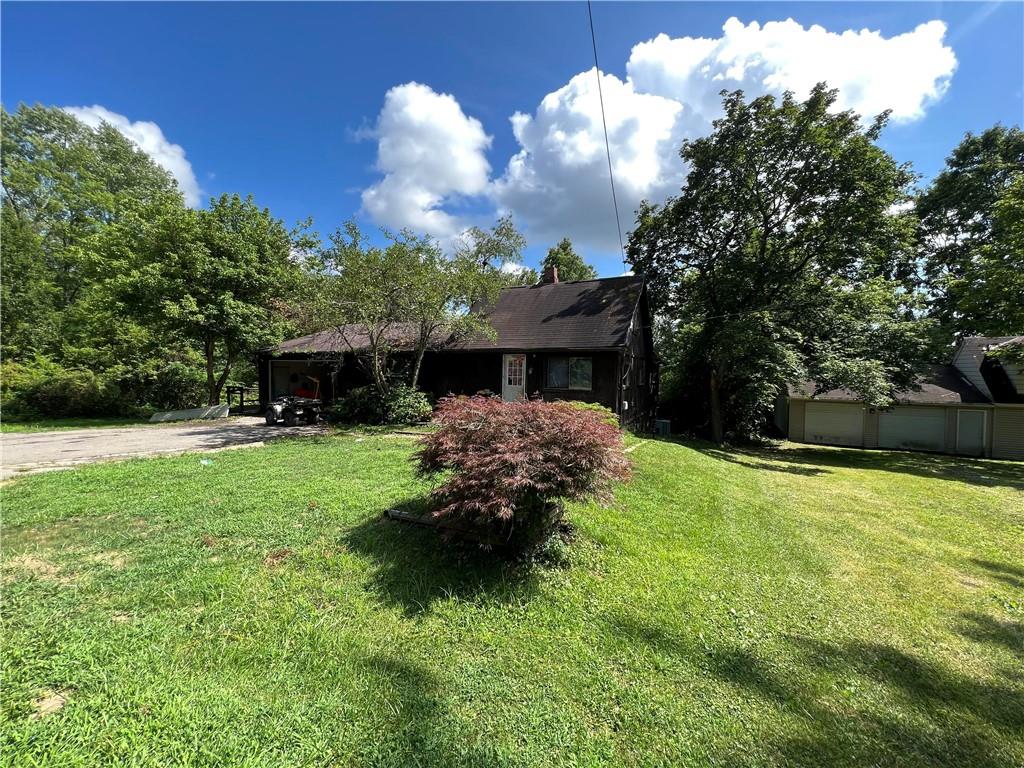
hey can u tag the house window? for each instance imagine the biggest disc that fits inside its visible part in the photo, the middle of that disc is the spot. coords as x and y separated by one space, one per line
570 373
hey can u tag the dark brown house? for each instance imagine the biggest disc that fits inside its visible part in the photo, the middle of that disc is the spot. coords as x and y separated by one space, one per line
587 340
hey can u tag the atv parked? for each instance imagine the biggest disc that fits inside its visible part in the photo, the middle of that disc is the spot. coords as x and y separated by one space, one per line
291 410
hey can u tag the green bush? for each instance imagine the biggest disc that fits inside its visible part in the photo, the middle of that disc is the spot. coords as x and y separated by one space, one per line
168 385
41 388
405 405
607 414
363 405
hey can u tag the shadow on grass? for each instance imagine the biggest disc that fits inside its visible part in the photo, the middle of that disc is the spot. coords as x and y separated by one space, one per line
986 629
816 461
414 566
414 694
1008 574
860 703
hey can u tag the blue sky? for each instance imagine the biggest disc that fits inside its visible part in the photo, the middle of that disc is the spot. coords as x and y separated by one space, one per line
309 107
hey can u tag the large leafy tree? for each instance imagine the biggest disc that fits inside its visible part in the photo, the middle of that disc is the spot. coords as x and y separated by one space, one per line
216 277
570 265
989 288
969 214
783 257
64 185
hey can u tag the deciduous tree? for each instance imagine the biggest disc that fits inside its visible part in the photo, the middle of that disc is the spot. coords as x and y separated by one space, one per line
784 257
570 265
970 242
215 277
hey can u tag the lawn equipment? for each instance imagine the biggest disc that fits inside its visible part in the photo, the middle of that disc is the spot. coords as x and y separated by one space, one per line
291 410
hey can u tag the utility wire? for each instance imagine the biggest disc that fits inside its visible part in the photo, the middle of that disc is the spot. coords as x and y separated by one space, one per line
607 145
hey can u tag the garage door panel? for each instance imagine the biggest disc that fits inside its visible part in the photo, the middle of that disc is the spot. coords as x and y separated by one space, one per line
910 428
1008 434
834 424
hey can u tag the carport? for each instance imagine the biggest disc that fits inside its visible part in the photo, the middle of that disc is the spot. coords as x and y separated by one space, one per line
302 377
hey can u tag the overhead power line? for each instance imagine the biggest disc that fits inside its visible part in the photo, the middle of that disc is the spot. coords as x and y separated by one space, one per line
607 144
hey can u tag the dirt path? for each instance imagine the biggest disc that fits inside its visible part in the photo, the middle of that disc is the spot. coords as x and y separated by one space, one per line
44 451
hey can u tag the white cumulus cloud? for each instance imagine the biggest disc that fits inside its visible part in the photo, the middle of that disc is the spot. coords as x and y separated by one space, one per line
873 73
558 181
431 154
151 140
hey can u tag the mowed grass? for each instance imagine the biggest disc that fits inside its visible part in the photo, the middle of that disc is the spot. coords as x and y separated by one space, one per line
774 607
49 425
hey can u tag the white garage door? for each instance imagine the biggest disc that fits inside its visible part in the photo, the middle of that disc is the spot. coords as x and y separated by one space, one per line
918 429
834 424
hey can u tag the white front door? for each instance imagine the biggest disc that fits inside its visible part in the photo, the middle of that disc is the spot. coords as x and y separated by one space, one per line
513 380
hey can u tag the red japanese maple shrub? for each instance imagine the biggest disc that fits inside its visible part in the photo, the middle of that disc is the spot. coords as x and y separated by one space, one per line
509 466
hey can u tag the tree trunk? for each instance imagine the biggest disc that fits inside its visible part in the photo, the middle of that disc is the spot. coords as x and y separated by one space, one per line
222 379
717 432
416 367
377 372
212 391
214 385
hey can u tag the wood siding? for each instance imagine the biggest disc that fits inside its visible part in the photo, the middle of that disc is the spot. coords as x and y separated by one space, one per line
639 374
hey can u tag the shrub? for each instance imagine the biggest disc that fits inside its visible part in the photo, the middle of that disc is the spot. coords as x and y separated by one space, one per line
41 388
405 405
607 414
509 466
361 405
364 405
161 385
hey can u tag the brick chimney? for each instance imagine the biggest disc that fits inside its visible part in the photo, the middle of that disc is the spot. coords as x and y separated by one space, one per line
550 275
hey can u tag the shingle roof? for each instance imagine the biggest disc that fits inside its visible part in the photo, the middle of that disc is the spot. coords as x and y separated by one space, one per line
584 314
998 342
345 338
939 385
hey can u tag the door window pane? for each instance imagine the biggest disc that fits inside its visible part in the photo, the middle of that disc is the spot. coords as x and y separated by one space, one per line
581 373
515 371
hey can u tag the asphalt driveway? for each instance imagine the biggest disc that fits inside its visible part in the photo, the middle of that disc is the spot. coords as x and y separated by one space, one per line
43 451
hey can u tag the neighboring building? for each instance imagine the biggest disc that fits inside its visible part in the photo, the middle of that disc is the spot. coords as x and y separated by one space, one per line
588 340
972 407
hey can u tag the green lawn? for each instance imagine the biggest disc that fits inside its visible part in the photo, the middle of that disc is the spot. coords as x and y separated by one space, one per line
48 425
801 606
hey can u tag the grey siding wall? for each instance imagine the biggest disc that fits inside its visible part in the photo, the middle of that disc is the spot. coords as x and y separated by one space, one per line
796 420
781 414
1015 373
968 360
